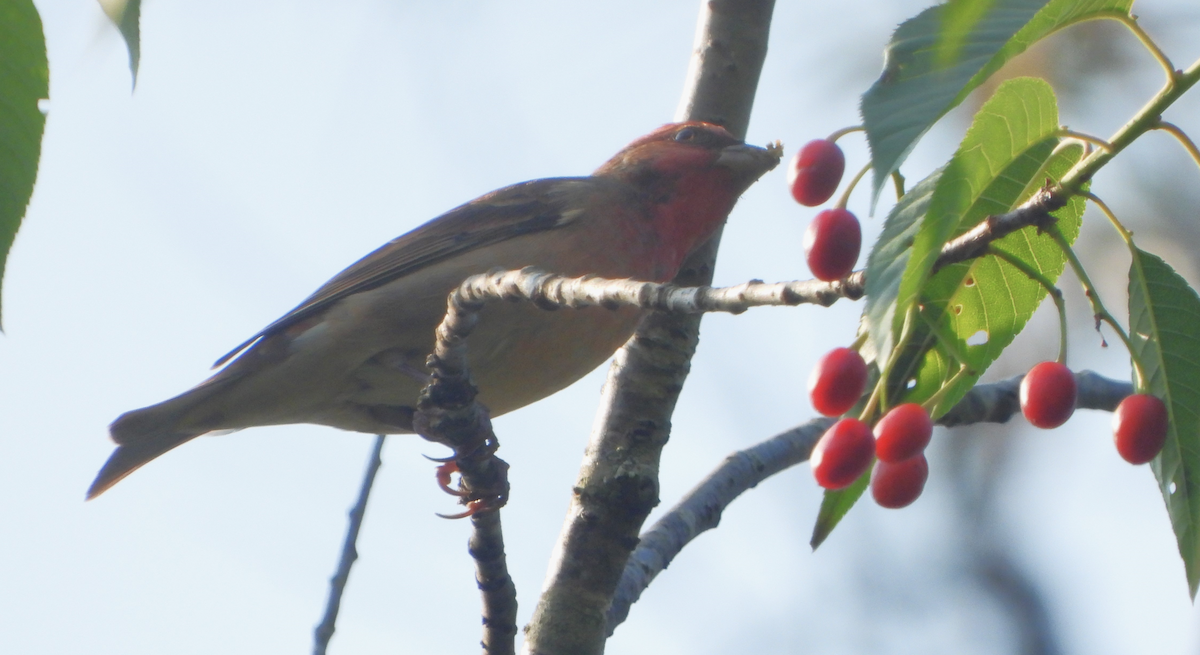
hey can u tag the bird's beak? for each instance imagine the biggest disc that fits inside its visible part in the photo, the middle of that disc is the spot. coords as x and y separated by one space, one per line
747 162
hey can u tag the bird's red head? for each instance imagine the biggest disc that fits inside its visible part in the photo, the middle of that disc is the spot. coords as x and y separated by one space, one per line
689 176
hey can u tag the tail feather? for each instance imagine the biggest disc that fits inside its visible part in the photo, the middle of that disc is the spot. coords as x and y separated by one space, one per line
127 458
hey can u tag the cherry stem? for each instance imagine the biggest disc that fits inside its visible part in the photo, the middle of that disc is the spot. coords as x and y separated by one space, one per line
868 411
850 187
1164 61
1147 118
898 182
859 341
1048 285
1086 138
1126 235
844 131
886 371
933 401
1098 309
1183 138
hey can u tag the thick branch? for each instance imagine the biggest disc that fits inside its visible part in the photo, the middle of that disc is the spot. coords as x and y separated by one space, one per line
618 482
700 510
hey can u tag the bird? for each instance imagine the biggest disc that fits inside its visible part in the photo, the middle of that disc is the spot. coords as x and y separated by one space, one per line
352 354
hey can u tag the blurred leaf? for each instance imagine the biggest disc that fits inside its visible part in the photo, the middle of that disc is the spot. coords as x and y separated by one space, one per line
835 505
1164 328
937 58
958 18
126 15
24 80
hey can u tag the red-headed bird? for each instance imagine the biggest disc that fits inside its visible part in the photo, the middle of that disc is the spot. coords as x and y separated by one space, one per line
352 355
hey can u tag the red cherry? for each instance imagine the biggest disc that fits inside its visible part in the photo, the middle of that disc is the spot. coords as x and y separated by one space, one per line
831 244
1140 428
842 454
816 171
837 382
902 433
898 484
1048 395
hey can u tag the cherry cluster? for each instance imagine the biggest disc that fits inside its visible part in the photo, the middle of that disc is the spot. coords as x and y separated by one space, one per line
847 449
834 238
1139 424
898 440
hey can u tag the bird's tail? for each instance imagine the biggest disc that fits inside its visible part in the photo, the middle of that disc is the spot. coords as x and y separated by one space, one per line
142 435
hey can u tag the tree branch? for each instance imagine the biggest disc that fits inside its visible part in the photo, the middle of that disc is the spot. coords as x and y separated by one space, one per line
337 584
447 413
618 482
700 510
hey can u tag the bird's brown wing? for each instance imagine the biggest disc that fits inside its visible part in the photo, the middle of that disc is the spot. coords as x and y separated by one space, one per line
500 215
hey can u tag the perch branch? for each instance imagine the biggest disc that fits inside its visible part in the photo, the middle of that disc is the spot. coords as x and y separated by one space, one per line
701 508
447 413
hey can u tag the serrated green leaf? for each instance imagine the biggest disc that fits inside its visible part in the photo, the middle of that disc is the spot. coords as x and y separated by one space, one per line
24 80
1005 157
989 295
126 15
1018 123
888 263
834 506
937 58
1164 329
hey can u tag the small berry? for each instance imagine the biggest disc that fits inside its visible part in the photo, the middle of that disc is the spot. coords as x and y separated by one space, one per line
1048 395
898 484
837 382
816 171
831 244
1140 428
843 453
902 433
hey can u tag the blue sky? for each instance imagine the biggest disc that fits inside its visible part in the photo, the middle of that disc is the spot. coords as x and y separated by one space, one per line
269 144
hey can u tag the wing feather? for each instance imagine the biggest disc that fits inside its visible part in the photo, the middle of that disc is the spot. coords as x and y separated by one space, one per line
500 215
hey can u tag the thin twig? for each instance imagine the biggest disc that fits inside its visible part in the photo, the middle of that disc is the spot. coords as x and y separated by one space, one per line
447 413
337 584
499 592
701 509
974 243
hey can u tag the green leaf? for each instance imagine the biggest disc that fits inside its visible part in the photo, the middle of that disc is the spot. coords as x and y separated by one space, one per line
1005 157
24 80
126 15
989 295
1018 124
835 505
887 266
1164 329
937 58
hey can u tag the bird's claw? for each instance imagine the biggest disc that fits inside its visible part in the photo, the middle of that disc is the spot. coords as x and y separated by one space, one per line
476 506
443 474
473 507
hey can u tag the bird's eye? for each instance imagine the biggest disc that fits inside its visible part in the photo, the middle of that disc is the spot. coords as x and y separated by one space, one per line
686 134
